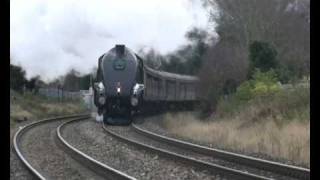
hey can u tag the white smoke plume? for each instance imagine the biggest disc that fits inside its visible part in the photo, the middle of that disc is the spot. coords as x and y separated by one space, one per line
49 37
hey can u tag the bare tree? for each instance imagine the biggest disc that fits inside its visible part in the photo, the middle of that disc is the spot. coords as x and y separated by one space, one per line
223 64
285 24
72 81
282 23
152 58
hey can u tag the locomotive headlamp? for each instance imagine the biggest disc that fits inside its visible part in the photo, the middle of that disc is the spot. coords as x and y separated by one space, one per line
118 88
134 101
137 88
99 86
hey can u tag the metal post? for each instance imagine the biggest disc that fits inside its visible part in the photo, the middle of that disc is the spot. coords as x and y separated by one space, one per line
62 94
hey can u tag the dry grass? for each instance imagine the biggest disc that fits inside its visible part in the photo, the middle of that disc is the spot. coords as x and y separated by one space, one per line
58 108
276 125
18 113
290 141
33 107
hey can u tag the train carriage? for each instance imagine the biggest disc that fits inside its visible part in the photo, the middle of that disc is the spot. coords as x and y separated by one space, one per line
164 86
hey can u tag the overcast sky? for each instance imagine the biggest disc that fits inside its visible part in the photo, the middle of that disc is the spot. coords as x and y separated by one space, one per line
48 37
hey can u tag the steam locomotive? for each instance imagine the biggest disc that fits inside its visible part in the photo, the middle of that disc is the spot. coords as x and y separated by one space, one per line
123 86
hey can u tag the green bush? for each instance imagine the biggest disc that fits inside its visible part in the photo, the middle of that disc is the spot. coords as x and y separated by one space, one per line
263 56
284 74
265 84
263 97
262 84
244 91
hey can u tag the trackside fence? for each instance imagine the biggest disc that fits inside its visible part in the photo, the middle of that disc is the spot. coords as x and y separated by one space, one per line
59 94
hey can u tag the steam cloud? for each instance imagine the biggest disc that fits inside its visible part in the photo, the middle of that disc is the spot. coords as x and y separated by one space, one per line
51 37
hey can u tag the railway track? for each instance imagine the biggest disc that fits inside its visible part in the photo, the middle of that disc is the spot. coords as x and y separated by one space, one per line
39 163
90 138
187 159
271 166
230 164
181 151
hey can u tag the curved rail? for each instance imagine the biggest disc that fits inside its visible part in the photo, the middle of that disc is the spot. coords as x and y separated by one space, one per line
21 131
287 170
96 166
236 174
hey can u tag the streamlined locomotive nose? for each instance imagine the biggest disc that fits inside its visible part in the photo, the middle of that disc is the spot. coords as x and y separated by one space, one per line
118 69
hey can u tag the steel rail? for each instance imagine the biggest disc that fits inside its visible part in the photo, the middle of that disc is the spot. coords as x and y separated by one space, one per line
22 130
280 168
96 166
233 173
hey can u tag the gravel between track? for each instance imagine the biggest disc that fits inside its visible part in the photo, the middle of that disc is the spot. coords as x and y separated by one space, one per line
17 168
39 147
130 133
89 137
155 124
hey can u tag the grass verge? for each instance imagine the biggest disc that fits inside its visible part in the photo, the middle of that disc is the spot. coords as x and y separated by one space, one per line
33 107
277 126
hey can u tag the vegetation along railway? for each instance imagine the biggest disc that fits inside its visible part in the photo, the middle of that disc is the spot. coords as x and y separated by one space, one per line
123 85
